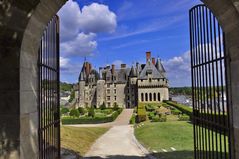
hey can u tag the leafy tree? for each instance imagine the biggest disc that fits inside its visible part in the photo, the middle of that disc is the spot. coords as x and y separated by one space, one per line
74 113
81 111
72 96
103 106
116 106
64 110
91 112
65 86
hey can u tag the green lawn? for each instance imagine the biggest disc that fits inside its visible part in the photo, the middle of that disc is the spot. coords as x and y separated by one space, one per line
164 135
80 140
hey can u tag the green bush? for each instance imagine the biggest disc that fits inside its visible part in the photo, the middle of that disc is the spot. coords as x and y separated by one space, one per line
116 106
64 110
185 109
72 96
91 112
159 118
183 117
106 111
103 106
151 115
150 108
74 113
132 119
81 110
141 115
120 110
175 112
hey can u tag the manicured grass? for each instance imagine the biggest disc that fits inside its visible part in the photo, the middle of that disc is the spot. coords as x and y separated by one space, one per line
80 140
164 135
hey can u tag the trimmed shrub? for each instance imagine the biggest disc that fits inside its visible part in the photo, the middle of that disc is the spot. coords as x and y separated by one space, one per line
64 110
159 118
183 117
150 108
141 115
91 112
106 111
81 110
132 119
151 115
103 106
175 112
74 113
185 109
116 106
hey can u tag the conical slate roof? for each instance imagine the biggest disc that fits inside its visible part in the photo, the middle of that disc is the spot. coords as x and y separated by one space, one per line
133 72
159 66
82 76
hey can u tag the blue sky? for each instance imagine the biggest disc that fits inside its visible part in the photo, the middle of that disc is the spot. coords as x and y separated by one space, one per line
121 31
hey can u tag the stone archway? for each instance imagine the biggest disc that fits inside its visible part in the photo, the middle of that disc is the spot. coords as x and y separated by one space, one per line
21 28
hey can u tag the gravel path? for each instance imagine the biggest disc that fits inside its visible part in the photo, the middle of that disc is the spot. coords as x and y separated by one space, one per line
119 141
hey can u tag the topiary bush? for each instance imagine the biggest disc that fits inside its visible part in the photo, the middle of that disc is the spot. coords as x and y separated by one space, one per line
175 112
91 112
81 110
183 117
141 115
64 111
74 113
103 106
132 119
159 118
116 106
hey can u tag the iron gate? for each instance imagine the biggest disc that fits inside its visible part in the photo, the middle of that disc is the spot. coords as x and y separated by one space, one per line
49 116
209 86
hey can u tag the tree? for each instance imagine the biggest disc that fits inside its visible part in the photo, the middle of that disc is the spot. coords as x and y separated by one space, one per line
91 112
116 106
81 111
64 110
103 106
72 96
74 113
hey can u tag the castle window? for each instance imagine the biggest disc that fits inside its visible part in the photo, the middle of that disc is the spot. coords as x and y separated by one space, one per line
108 85
108 104
158 96
142 97
154 96
150 96
141 80
158 80
108 97
108 91
115 97
114 85
150 79
146 97
115 91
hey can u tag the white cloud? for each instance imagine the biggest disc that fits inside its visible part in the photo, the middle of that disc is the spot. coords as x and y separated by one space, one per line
82 45
64 62
95 18
179 70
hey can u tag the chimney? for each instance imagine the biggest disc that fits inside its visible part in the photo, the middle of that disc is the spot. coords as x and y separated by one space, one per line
153 61
148 56
123 65
87 68
113 69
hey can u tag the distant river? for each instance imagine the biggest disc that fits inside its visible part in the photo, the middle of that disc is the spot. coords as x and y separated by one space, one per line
186 100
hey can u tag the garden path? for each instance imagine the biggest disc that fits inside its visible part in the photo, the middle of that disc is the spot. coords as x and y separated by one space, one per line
119 141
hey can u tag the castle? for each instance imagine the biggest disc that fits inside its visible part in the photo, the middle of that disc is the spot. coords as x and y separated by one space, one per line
146 83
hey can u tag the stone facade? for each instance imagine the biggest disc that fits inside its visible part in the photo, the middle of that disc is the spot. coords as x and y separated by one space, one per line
124 86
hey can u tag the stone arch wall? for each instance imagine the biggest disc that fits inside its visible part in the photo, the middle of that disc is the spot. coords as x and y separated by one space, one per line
21 26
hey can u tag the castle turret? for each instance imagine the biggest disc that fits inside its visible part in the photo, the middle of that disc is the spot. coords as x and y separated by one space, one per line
160 67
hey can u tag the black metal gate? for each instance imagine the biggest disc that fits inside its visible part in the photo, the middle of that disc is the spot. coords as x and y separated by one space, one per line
209 83
49 116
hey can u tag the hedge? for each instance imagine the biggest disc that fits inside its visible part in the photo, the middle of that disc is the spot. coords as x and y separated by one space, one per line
141 114
132 119
183 118
185 109
158 118
90 120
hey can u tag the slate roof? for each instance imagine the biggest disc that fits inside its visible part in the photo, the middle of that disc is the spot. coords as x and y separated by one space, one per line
150 68
159 66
